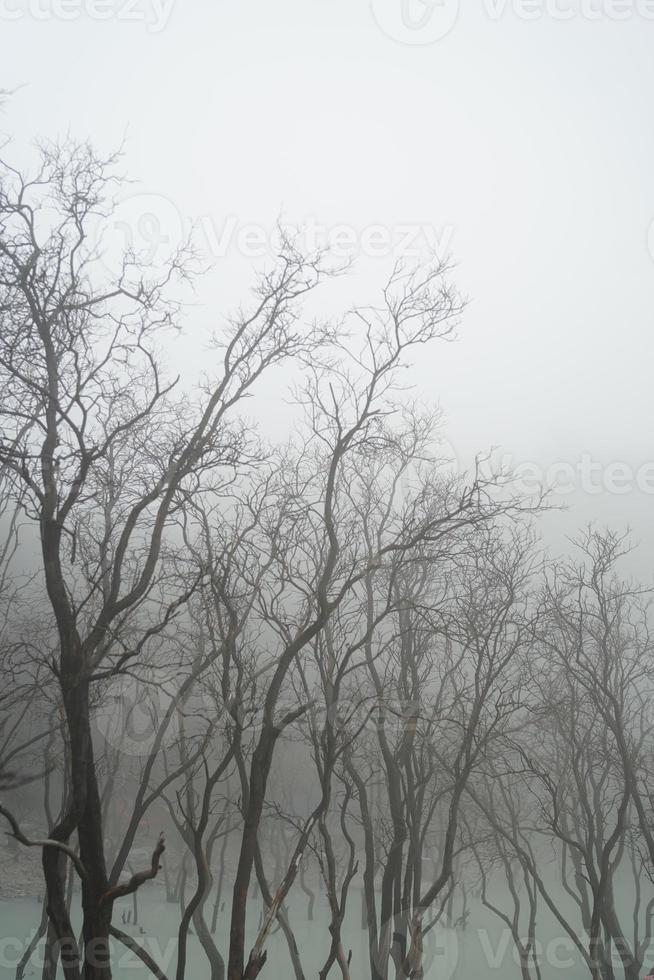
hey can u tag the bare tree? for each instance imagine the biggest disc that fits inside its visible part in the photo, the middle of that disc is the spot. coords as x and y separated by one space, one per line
458 685
596 633
494 856
346 401
89 425
236 588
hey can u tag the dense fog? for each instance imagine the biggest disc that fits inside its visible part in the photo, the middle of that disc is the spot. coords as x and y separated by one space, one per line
325 490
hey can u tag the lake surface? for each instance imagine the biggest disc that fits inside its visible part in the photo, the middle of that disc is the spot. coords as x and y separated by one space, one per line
484 949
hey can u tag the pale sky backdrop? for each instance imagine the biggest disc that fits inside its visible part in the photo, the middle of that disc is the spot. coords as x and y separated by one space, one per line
522 140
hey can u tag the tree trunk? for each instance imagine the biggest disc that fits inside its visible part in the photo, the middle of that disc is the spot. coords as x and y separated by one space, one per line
308 892
219 887
259 771
84 814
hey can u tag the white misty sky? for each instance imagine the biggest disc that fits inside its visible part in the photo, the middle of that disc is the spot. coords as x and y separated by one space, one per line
526 145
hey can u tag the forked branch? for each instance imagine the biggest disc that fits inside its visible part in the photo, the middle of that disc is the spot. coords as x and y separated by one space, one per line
139 878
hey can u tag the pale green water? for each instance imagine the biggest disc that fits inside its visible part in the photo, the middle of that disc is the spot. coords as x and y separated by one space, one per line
480 951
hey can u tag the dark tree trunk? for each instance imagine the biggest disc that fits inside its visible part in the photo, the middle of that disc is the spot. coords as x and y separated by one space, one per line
84 814
308 892
259 771
219 887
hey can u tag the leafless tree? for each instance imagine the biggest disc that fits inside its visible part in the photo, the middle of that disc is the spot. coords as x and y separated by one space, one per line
600 725
568 790
447 687
90 427
344 595
496 858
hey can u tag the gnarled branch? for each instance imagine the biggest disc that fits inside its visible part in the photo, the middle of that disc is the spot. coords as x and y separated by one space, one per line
137 879
18 835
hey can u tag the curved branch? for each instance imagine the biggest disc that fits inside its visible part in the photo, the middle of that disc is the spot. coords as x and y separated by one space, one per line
138 950
17 833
